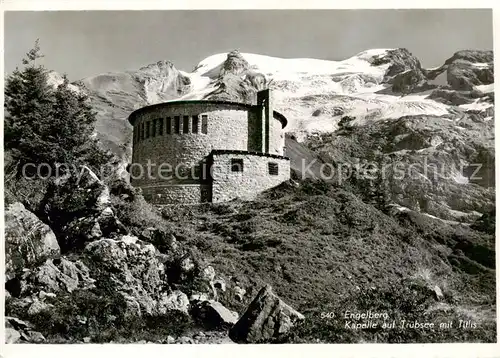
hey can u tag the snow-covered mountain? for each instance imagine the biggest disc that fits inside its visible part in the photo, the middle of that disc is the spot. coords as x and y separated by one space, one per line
313 94
378 101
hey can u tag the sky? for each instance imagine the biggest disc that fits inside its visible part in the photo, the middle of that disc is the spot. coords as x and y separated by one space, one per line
87 43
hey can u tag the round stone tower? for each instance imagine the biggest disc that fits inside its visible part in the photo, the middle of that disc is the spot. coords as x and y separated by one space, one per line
187 152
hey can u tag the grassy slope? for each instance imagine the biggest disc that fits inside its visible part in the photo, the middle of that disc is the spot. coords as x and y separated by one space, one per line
324 250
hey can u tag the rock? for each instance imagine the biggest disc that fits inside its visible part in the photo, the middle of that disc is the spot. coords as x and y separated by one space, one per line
468 68
187 265
59 274
109 223
16 323
95 232
463 75
185 340
198 297
170 340
438 293
86 339
401 61
214 315
165 242
132 267
12 336
409 81
37 307
82 319
239 293
28 240
229 84
133 308
17 330
220 284
208 273
43 295
267 319
33 337
176 301
103 201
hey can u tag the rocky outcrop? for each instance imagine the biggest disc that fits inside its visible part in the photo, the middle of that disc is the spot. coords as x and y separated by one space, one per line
463 75
175 301
130 266
236 81
162 80
18 331
78 208
54 276
409 81
452 97
214 315
28 241
466 69
267 319
401 61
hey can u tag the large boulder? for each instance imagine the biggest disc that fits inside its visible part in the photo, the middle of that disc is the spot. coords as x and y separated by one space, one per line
175 301
409 81
54 276
28 241
267 319
18 331
214 315
78 208
401 61
130 266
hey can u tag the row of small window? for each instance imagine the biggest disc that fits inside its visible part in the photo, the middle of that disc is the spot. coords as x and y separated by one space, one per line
175 125
237 166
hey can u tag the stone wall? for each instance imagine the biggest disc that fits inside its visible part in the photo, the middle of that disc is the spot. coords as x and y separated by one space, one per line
227 128
176 194
253 179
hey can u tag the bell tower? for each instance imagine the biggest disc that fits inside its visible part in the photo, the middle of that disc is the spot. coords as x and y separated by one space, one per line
264 103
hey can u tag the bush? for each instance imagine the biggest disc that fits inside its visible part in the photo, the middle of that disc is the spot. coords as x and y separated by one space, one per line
101 316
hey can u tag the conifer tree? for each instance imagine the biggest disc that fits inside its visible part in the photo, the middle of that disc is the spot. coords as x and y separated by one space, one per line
47 125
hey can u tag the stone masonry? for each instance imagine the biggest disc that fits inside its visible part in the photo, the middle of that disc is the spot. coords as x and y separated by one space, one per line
183 150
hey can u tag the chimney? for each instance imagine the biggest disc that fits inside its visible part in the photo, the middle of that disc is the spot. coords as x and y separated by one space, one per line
264 101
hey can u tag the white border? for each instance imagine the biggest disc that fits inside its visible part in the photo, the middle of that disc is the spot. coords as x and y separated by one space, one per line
311 350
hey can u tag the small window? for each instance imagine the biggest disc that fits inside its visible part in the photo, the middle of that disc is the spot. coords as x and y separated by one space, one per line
169 125
273 168
194 124
185 124
177 125
153 129
148 129
236 165
142 131
204 124
160 126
